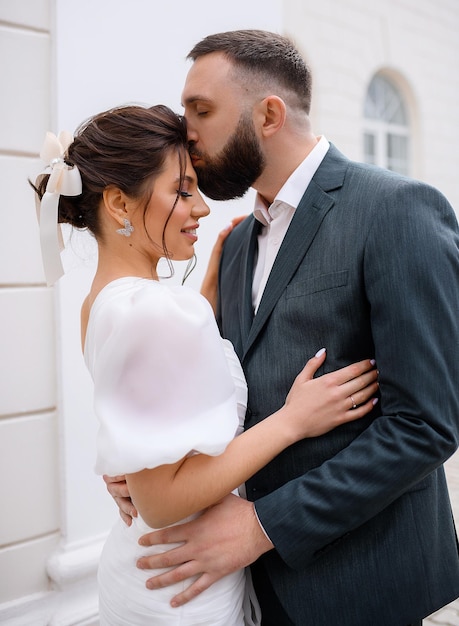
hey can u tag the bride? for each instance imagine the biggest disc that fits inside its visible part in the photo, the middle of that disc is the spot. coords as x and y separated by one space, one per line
169 392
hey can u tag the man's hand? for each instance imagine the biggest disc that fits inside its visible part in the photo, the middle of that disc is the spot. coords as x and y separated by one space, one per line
118 489
225 538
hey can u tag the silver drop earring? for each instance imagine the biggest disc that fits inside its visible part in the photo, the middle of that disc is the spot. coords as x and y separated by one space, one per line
127 230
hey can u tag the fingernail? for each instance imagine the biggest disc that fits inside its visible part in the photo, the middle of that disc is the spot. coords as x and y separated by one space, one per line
372 361
375 401
174 604
320 352
139 564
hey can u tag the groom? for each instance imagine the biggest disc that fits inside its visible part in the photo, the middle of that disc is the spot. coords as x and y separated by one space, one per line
353 528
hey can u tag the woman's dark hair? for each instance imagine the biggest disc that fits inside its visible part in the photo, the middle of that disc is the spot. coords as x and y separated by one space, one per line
125 147
262 55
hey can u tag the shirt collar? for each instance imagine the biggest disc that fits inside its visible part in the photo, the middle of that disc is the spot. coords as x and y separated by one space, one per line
294 187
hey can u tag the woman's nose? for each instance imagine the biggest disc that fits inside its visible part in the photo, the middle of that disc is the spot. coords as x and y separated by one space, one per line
200 209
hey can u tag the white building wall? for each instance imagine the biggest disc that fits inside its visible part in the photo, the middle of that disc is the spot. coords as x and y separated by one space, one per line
346 43
62 61
66 61
29 524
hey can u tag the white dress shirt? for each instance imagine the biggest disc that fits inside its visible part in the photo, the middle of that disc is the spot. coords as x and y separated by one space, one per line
276 219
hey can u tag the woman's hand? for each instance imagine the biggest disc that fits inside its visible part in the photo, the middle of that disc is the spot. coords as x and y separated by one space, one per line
209 287
315 406
118 489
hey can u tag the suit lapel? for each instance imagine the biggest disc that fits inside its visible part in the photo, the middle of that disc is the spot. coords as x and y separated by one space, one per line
248 255
313 207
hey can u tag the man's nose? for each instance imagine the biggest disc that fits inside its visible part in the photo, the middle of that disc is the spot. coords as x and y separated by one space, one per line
192 135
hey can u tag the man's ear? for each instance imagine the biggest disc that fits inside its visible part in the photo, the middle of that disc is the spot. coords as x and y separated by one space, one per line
115 204
274 112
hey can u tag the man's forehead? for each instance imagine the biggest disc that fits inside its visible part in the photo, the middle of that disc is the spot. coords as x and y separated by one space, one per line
206 78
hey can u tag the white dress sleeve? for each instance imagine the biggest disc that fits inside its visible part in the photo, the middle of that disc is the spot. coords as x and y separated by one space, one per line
162 384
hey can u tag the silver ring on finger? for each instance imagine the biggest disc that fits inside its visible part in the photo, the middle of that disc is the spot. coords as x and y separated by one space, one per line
354 406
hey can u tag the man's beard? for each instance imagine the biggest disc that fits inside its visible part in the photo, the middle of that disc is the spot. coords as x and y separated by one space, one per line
230 174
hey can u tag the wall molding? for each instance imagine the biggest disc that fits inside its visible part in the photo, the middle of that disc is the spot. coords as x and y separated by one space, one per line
73 598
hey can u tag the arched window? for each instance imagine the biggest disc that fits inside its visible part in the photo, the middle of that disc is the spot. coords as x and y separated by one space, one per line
386 127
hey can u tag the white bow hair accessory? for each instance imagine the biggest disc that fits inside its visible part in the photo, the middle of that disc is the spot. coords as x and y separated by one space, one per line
64 180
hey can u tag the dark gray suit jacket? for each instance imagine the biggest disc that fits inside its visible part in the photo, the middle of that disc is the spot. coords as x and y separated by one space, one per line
360 517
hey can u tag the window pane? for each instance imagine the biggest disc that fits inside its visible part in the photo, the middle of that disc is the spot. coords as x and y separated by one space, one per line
369 148
383 102
397 114
397 153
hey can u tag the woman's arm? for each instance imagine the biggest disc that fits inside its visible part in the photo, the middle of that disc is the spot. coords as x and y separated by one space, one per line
169 493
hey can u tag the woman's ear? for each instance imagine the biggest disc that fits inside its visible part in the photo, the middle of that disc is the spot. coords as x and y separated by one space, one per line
273 110
115 204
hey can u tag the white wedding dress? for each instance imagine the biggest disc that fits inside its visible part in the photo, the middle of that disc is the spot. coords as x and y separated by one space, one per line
165 385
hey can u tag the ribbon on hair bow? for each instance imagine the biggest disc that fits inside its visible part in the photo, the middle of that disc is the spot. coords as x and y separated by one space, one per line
64 180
